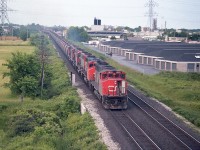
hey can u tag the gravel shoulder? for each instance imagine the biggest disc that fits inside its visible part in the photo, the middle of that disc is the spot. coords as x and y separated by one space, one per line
89 102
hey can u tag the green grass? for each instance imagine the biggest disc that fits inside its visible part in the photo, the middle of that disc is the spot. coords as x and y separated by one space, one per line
14 43
5 54
179 91
76 131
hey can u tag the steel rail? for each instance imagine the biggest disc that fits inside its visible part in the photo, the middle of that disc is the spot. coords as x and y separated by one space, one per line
139 136
190 142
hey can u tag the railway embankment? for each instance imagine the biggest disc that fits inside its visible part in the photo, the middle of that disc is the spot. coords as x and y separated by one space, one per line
54 123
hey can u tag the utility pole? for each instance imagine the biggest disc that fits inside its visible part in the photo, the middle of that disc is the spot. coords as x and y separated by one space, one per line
151 4
27 34
43 52
12 33
42 61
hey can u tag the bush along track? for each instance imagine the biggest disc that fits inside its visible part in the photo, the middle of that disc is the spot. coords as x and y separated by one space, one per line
54 123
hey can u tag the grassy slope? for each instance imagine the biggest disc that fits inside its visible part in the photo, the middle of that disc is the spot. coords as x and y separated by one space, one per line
177 90
6 98
79 131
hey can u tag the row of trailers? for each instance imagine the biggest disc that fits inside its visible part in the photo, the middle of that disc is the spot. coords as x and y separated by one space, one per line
164 56
107 83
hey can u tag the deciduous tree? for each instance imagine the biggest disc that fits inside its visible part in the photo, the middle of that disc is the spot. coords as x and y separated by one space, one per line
24 73
77 34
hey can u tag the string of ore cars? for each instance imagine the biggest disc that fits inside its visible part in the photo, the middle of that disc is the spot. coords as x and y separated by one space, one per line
107 83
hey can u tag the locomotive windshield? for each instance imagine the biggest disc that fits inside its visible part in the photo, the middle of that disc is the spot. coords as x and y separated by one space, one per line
91 65
110 75
104 76
123 76
117 75
113 75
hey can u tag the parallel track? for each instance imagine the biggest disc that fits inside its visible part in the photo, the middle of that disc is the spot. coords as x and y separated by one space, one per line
186 139
139 137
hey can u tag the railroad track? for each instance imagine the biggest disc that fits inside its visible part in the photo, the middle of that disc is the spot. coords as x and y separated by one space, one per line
188 141
142 140
136 134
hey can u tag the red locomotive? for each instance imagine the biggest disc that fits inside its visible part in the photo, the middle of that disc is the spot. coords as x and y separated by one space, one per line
107 83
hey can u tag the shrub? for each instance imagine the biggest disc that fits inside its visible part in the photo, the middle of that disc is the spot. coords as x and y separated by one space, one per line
3 107
197 122
22 124
33 120
82 132
71 105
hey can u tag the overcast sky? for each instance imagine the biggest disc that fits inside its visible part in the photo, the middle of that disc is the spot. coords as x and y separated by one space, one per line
132 13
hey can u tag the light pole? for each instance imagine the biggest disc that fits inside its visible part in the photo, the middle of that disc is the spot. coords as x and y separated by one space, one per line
27 34
12 34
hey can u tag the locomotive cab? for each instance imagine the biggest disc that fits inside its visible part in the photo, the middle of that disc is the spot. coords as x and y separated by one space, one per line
116 81
111 85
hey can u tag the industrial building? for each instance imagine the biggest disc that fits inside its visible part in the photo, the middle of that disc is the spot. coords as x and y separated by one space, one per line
105 34
181 57
98 31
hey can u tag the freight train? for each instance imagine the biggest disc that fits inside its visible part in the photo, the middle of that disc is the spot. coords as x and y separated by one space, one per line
107 83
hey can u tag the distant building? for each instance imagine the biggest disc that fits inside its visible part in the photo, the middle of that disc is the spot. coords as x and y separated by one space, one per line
145 29
97 25
102 31
155 24
176 39
148 35
105 34
94 42
97 28
178 30
97 21
181 57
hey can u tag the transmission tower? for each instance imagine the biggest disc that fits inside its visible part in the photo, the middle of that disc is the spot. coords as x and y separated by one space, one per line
4 12
151 4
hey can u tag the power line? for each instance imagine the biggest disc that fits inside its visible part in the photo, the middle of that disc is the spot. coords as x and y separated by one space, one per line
4 12
151 4
181 10
191 3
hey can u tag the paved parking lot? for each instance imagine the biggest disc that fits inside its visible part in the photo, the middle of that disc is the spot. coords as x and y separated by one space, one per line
132 64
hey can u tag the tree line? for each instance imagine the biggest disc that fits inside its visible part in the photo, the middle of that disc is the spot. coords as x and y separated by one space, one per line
30 74
20 31
78 34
